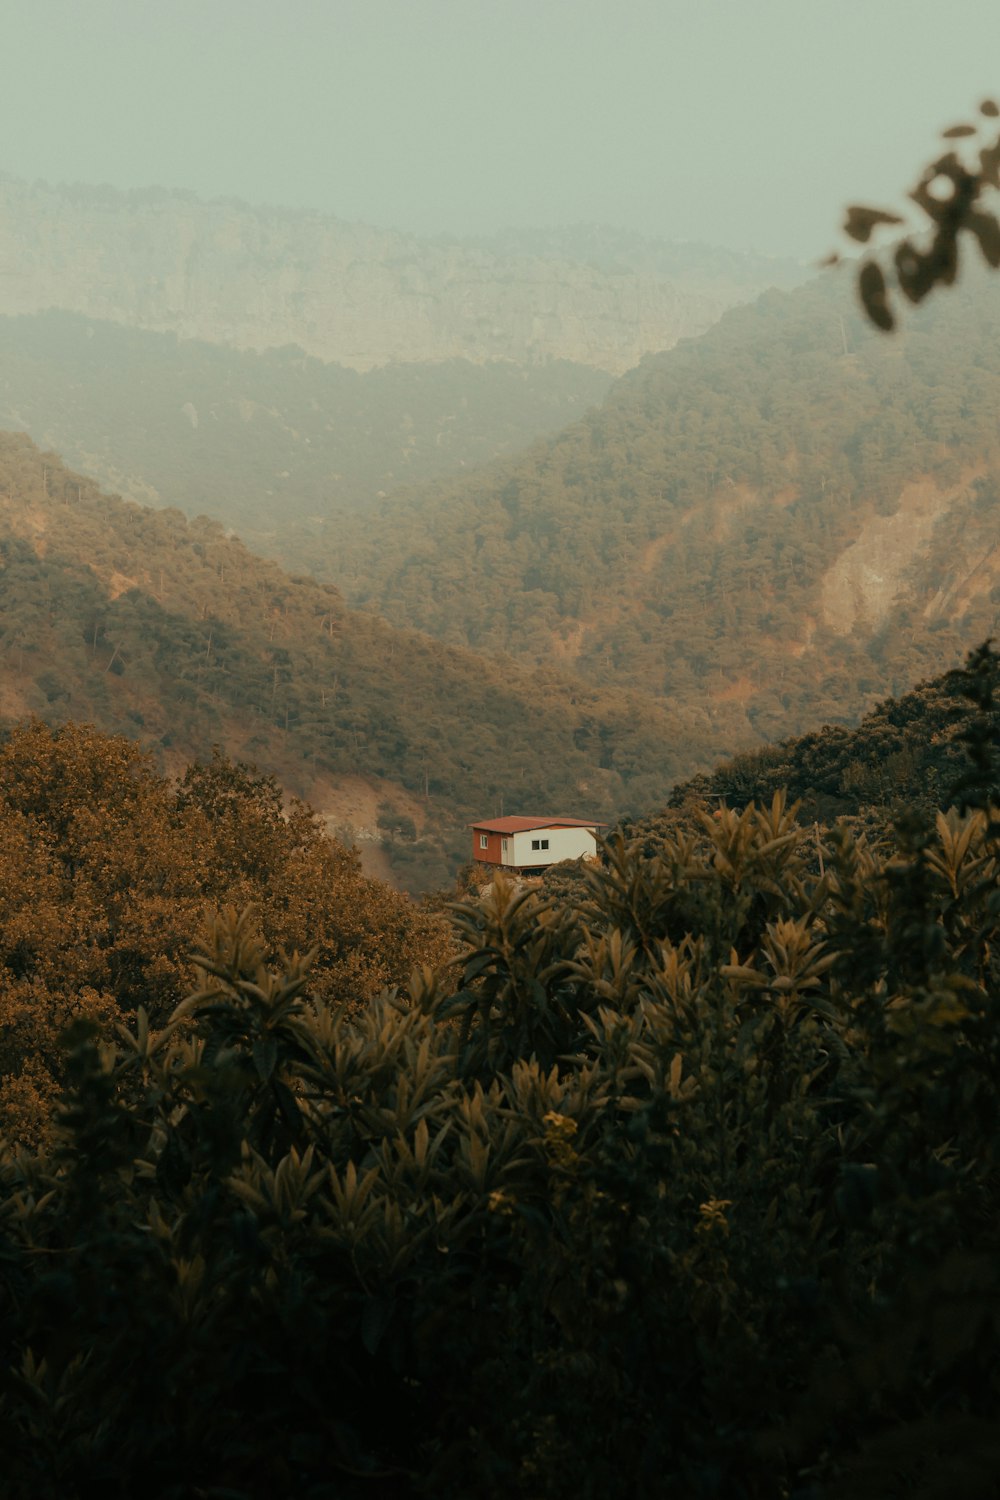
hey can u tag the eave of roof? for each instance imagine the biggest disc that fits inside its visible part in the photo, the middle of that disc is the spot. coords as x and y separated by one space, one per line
525 825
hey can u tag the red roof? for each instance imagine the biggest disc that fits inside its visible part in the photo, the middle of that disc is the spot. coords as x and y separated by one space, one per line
522 825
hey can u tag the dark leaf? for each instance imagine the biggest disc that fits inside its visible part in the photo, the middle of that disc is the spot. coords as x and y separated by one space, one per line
989 165
957 132
286 1102
477 965
990 108
375 1319
914 272
861 221
938 204
265 1055
987 231
173 1170
944 255
872 289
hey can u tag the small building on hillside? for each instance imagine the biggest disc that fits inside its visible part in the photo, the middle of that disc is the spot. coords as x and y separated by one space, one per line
532 843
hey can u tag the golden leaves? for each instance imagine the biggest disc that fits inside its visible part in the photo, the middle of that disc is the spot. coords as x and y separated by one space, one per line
106 870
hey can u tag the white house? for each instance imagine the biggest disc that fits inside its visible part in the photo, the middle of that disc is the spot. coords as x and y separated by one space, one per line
532 843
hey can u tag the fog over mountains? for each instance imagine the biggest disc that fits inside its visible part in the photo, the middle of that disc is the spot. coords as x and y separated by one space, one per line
260 278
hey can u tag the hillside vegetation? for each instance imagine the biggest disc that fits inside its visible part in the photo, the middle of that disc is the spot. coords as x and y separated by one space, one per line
902 757
174 634
782 520
265 443
674 1174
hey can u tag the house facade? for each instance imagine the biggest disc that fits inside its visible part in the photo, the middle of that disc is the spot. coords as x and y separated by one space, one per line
532 843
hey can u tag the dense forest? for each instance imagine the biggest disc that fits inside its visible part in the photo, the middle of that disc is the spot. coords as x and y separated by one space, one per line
247 437
170 631
782 520
904 755
108 868
687 1185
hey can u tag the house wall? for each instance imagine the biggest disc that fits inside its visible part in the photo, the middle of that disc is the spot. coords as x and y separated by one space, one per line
491 855
564 843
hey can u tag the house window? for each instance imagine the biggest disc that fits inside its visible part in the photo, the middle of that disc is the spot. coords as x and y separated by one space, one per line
484 841
539 843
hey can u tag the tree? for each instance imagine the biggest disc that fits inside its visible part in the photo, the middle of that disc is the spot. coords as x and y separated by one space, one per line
106 869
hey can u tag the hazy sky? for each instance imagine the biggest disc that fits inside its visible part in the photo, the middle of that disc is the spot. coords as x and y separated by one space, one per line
746 123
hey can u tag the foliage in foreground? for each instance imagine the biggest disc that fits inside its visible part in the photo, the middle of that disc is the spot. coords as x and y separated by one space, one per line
955 193
106 871
690 1188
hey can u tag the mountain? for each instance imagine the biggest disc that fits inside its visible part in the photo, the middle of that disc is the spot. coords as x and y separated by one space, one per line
267 443
172 632
260 278
739 274
783 520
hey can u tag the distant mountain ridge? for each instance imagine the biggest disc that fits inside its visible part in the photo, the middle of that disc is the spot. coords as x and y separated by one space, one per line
258 277
613 249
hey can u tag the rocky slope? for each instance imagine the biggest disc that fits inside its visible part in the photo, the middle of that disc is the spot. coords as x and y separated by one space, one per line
263 277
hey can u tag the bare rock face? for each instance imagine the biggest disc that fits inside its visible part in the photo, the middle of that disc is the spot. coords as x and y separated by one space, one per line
871 575
260 278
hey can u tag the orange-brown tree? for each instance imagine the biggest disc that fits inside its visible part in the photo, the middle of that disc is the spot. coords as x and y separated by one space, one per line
107 870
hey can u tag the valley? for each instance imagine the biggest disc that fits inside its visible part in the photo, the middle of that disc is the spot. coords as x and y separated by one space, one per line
499 751
173 633
269 443
767 528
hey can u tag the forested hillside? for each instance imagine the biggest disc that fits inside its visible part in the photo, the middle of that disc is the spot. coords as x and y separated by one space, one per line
337 1162
173 633
907 758
266 443
709 1150
784 519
